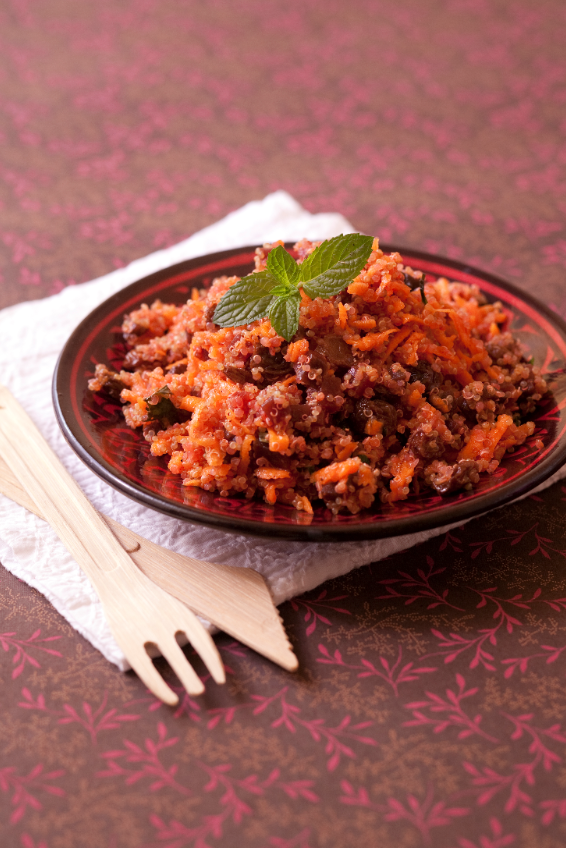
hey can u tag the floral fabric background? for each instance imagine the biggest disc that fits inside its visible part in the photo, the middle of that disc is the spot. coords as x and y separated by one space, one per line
429 709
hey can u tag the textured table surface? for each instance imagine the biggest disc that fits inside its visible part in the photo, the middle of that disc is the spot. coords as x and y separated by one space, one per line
430 705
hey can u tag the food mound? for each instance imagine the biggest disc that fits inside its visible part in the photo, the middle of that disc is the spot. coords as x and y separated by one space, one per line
392 386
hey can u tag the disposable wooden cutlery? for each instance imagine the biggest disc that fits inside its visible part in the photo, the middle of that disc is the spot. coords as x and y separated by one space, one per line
138 611
236 600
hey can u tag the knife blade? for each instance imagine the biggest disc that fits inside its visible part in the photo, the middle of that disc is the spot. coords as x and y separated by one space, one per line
236 600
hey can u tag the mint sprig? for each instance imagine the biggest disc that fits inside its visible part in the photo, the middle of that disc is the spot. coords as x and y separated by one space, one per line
275 292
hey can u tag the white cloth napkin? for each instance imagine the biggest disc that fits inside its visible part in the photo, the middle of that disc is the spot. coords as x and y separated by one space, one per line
32 336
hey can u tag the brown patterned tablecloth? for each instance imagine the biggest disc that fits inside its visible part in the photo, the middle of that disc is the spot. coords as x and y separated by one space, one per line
429 709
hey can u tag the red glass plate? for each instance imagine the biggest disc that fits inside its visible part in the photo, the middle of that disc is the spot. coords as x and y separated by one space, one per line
95 429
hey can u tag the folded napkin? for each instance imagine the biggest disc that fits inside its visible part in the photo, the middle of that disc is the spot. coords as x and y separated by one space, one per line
33 335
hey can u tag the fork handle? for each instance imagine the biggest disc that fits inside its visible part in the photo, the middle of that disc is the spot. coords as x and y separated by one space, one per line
58 497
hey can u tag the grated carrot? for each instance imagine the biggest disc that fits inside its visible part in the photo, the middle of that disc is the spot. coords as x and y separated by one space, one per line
336 471
366 322
297 349
245 454
484 439
307 506
271 493
372 341
272 473
396 341
358 288
289 381
403 468
191 404
278 442
347 449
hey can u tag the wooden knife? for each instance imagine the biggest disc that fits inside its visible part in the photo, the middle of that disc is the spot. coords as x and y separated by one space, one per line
236 600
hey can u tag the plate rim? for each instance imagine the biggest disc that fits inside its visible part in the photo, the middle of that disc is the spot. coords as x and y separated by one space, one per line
452 514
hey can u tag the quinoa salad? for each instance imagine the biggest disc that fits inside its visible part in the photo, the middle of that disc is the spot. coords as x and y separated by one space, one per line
393 386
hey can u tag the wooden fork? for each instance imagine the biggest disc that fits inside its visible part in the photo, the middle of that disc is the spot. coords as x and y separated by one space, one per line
139 613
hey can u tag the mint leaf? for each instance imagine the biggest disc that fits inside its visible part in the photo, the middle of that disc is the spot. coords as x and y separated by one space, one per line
334 264
246 301
282 265
330 252
276 291
284 315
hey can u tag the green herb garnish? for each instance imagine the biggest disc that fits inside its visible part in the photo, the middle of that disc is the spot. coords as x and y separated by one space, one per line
161 408
275 292
417 283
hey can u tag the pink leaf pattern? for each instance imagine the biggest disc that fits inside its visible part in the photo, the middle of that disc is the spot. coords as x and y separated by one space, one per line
423 815
515 785
92 720
24 649
419 587
24 789
495 839
392 673
312 609
428 709
444 712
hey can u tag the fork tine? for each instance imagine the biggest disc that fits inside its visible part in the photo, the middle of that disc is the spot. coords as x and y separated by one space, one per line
181 666
203 643
141 663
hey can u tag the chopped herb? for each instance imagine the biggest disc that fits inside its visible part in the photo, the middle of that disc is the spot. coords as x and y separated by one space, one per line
161 408
417 283
263 437
364 458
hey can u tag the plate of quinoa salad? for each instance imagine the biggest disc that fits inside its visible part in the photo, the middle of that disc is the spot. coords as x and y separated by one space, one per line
314 392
